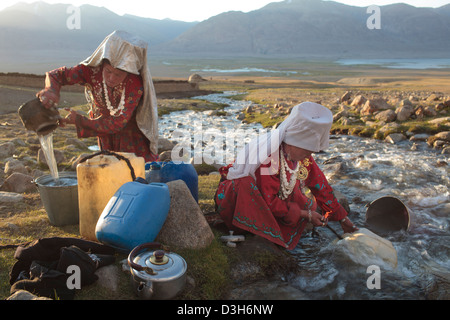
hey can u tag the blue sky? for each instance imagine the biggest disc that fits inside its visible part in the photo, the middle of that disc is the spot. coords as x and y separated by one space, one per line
198 10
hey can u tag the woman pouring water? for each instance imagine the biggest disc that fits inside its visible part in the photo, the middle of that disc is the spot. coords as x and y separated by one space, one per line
274 186
120 91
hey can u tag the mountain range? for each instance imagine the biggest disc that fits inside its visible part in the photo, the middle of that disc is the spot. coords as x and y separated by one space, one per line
38 32
316 28
40 25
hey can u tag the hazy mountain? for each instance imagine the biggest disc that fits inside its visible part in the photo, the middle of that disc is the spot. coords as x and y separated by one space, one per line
35 37
39 31
320 28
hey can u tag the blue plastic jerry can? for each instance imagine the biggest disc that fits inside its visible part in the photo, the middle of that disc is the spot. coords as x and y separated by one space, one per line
134 215
170 171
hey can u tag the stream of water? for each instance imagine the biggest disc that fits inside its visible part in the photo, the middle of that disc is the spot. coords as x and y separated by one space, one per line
370 169
47 148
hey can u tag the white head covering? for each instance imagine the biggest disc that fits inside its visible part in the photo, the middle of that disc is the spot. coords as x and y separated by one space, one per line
129 53
307 127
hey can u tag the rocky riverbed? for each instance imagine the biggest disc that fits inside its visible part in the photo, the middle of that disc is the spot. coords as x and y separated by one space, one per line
394 116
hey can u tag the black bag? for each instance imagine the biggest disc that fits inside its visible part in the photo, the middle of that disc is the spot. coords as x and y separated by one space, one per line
42 265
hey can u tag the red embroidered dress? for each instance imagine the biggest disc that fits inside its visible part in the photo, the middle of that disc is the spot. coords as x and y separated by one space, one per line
115 131
255 206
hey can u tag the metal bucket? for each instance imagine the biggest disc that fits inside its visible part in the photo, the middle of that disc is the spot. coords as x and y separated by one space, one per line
60 199
36 117
387 214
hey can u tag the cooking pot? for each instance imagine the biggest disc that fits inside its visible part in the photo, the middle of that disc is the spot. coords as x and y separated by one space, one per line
156 273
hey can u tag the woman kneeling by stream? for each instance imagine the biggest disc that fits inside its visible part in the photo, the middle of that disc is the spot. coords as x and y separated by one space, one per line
274 187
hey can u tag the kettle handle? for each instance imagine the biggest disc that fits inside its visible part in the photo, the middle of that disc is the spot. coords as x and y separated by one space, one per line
135 251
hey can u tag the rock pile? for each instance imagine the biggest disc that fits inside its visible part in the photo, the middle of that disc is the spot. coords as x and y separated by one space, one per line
391 113
385 115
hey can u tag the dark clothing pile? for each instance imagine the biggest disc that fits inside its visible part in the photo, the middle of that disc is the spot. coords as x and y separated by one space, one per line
43 265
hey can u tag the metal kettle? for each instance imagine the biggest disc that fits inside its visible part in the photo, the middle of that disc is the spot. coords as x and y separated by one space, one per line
156 274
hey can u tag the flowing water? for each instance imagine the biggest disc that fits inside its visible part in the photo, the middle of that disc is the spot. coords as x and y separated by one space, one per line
47 149
368 169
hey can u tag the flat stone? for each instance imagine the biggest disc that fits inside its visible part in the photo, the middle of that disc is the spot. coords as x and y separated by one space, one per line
10 197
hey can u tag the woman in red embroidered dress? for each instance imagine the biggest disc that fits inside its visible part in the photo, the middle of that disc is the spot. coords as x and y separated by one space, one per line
275 196
119 89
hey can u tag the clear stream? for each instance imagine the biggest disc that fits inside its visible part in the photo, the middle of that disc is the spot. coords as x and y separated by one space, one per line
369 169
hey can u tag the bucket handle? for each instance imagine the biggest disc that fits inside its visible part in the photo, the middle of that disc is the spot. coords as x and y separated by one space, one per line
135 251
110 153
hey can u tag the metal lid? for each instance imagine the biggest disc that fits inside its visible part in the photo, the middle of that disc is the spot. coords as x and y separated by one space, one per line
160 266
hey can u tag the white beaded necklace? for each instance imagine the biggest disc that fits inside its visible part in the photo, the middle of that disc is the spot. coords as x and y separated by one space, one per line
286 187
112 111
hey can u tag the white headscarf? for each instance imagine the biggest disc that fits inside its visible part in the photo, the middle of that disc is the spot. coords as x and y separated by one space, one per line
307 127
129 53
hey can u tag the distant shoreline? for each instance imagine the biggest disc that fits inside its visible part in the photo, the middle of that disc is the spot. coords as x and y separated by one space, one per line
406 63
183 66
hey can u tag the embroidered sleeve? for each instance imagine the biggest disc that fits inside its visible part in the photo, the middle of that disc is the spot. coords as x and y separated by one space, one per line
67 76
322 191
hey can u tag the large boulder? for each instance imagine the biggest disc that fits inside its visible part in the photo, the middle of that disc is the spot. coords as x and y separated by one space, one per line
19 183
374 105
195 78
386 116
345 97
358 101
15 165
165 145
404 112
185 226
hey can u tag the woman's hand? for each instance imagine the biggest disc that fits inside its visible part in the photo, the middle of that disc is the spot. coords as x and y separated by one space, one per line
295 214
48 97
69 119
318 220
348 226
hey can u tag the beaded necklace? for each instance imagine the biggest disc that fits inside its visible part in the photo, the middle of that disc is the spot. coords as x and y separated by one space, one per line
300 173
112 111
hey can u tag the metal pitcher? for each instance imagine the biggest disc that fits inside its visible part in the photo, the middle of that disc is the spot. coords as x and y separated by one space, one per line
36 117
